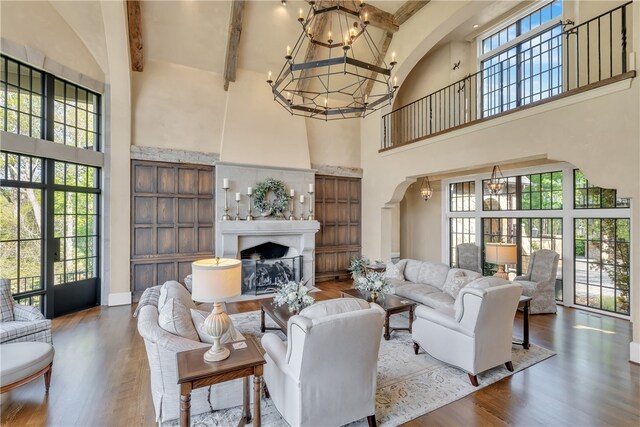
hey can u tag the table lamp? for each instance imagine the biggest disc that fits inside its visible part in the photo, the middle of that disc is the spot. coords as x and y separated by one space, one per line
214 280
501 254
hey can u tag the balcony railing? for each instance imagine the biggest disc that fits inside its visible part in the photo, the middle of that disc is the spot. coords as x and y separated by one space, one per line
558 62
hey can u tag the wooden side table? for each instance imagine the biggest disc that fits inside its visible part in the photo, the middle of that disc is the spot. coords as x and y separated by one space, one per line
194 372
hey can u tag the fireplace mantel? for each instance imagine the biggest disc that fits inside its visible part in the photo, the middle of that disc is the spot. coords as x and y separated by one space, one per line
235 236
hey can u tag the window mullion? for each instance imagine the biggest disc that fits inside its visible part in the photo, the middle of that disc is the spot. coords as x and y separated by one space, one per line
49 107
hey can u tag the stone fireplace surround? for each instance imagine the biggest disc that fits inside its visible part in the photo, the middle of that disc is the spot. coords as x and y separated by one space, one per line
235 236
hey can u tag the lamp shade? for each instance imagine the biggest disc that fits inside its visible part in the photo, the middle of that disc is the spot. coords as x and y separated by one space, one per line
214 280
501 253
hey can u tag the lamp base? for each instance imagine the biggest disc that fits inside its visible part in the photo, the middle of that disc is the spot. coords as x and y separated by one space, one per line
501 273
216 324
213 355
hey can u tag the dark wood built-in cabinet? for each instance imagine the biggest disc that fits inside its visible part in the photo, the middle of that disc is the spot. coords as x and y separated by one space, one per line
338 209
172 221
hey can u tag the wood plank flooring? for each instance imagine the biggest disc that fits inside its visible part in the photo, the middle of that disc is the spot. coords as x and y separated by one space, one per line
101 376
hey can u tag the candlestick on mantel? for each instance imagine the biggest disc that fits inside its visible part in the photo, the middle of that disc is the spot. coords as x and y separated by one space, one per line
302 207
249 210
249 191
311 188
237 218
310 217
225 184
292 211
226 216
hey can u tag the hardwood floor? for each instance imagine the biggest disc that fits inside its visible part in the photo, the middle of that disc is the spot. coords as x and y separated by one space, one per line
101 376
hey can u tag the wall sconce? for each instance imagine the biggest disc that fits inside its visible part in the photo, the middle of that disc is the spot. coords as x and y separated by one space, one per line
496 183
426 191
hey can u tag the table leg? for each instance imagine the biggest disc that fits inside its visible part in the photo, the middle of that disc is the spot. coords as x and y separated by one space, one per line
387 335
411 319
262 325
246 411
256 400
185 409
525 325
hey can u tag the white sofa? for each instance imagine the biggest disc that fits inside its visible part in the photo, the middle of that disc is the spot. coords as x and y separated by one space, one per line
432 284
325 375
477 335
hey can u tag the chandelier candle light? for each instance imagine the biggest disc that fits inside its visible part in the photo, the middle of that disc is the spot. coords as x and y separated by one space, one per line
338 82
501 254
213 281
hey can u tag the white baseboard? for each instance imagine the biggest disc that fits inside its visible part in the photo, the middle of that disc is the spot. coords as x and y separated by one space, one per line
121 298
634 352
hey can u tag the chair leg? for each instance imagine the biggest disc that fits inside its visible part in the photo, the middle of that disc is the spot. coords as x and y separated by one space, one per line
266 390
47 378
509 366
474 380
416 347
371 419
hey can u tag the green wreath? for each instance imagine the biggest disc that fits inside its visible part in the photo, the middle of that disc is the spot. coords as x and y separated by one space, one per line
276 206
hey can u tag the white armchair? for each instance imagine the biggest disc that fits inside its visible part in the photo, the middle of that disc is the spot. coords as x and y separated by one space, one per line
326 374
540 281
477 336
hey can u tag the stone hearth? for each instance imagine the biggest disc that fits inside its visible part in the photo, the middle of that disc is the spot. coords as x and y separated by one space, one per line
235 236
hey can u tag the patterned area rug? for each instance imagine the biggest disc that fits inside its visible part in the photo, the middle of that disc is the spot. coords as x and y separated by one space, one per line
408 385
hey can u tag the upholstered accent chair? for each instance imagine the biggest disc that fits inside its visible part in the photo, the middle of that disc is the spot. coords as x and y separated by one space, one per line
326 373
474 337
21 323
468 256
540 281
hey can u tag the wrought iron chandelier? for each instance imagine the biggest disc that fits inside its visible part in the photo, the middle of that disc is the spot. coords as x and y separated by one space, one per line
322 78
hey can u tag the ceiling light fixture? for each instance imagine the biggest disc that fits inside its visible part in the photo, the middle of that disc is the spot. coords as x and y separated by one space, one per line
475 26
322 78
284 2
496 183
426 191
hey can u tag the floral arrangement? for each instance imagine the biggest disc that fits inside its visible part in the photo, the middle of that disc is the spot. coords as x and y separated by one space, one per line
373 282
295 295
276 206
357 267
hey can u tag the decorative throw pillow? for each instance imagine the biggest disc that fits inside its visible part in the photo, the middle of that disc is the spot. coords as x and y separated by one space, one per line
393 272
459 281
188 283
173 289
198 317
174 317
487 282
6 301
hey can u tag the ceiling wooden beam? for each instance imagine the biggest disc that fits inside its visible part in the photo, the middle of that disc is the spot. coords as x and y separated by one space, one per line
235 30
407 10
404 12
134 18
377 17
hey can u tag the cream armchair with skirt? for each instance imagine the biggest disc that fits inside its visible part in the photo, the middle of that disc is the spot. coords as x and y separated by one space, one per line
325 375
474 337
540 281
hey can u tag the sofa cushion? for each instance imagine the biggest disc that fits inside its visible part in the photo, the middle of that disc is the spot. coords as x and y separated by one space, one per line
175 318
173 289
528 288
22 360
439 300
433 274
416 291
14 329
487 282
198 317
412 270
334 306
457 279
393 272
150 296
6 301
